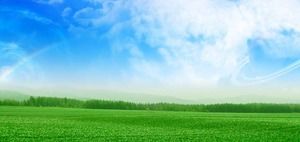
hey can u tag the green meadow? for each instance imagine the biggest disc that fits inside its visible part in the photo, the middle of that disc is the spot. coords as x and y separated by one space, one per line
23 123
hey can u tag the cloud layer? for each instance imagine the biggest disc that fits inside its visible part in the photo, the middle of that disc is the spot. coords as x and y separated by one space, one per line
165 43
203 42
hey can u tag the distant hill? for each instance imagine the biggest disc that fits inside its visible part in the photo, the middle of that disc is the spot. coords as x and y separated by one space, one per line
183 97
12 95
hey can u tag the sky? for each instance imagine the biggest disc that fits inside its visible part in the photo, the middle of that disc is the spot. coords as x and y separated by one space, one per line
131 44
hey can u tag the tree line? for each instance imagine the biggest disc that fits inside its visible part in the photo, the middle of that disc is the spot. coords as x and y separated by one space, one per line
122 105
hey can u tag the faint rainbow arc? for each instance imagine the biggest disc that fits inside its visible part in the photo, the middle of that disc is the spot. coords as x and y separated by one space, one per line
7 72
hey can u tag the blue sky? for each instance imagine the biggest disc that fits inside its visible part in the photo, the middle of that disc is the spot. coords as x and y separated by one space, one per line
149 43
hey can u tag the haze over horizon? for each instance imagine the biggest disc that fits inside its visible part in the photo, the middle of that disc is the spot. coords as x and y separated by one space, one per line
187 49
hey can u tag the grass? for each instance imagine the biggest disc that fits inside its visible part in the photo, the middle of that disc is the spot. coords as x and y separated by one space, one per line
19 123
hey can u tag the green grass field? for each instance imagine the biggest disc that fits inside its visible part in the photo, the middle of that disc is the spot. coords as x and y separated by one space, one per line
68 124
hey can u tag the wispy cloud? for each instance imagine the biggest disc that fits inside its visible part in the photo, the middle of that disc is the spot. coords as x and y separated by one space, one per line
66 12
28 14
50 2
108 13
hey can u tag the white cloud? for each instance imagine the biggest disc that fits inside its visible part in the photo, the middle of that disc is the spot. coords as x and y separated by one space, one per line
49 1
203 41
228 24
86 15
108 13
29 14
66 12
34 16
216 47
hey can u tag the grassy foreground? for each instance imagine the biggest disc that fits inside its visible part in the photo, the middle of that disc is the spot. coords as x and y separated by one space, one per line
18 123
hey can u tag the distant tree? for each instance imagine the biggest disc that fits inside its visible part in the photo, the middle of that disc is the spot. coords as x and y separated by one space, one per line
108 104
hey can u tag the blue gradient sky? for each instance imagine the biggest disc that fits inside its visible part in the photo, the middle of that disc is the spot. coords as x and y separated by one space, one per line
171 43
